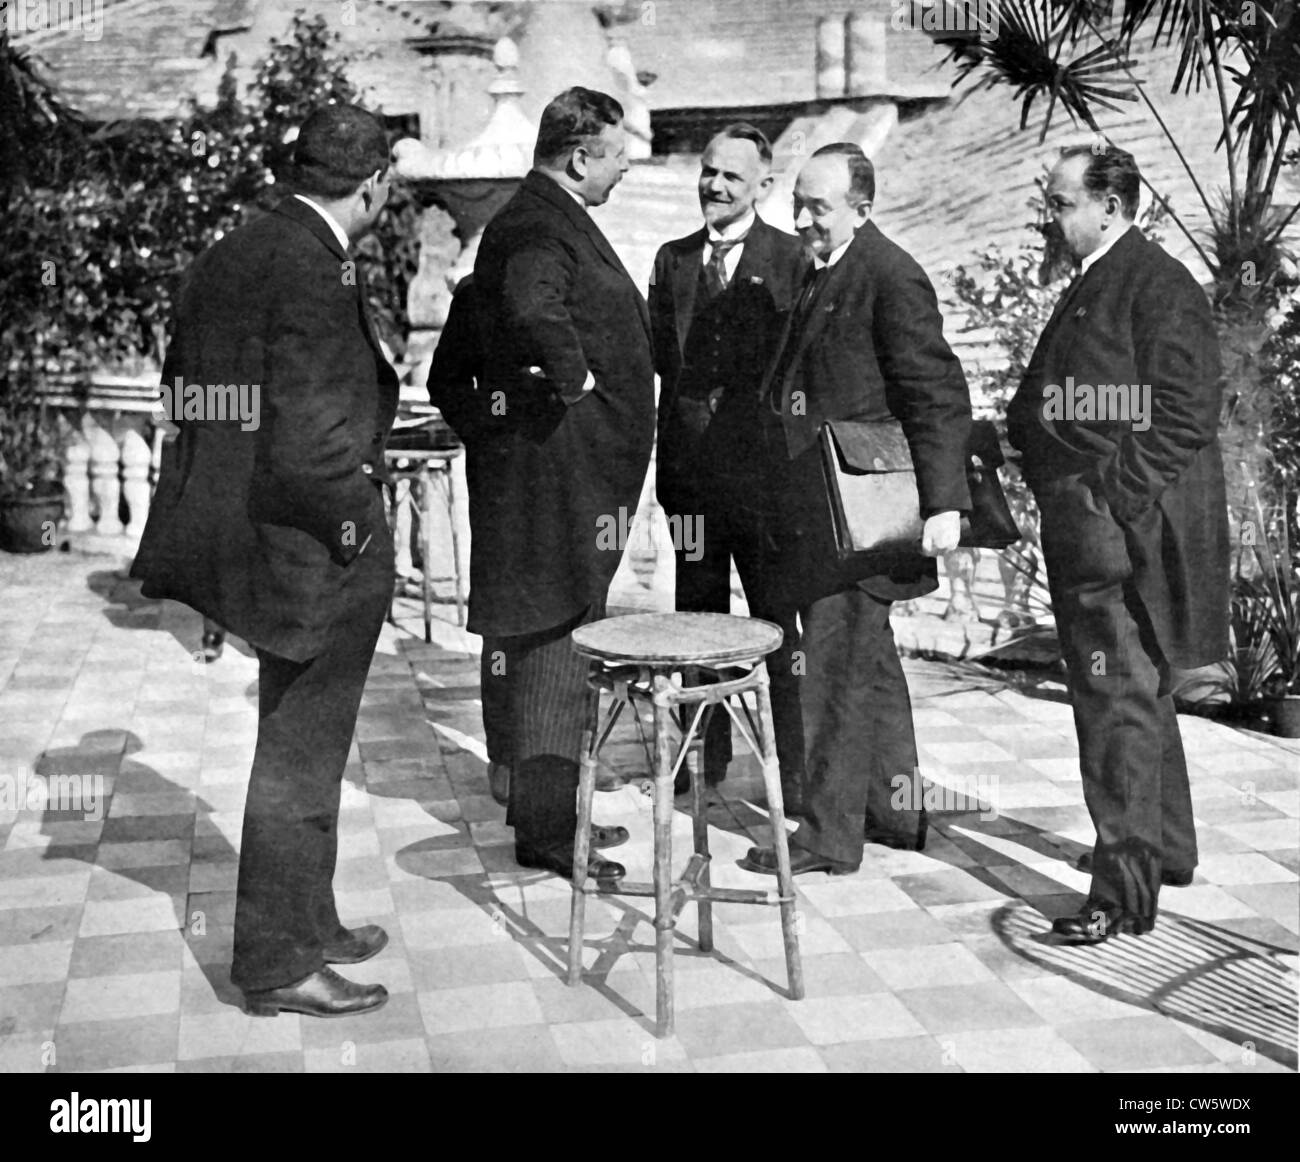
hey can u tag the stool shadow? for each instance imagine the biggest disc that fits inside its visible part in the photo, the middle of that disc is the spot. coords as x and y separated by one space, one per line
546 948
1198 973
96 767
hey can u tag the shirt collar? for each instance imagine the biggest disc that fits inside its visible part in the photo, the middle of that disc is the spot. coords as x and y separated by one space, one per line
834 256
732 232
337 230
1105 246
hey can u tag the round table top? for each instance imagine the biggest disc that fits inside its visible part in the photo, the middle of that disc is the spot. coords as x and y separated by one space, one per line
677 638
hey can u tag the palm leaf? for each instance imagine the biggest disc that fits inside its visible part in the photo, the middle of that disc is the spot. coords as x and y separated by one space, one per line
1026 55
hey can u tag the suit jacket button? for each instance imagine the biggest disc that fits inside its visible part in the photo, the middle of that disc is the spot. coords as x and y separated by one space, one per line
368 469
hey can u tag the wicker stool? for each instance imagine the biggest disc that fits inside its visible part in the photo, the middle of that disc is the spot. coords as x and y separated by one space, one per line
657 657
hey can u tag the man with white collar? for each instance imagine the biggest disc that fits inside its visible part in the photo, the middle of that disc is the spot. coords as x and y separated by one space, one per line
717 299
864 342
1128 478
278 533
560 350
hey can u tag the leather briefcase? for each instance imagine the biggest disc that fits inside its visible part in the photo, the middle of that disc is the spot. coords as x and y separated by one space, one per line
871 490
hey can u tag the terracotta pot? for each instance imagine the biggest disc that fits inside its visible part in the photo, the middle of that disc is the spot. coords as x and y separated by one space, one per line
1285 715
28 523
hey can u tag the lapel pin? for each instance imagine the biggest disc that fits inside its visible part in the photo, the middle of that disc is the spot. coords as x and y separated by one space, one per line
1080 312
756 279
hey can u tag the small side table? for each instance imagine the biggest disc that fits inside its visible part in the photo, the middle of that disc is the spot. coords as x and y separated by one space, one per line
421 467
657 658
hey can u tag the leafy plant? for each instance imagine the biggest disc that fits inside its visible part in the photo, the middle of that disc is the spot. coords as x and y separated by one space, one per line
1077 55
1270 603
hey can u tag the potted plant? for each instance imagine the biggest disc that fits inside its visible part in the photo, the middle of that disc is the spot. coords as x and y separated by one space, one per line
31 489
1269 603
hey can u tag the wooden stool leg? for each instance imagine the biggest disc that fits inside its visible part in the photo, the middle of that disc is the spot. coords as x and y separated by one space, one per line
663 855
582 843
776 810
700 823
455 544
426 548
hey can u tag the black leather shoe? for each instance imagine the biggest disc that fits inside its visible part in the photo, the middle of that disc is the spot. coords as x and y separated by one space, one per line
560 861
611 836
1095 925
763 861
1170 877
499 783
322 994
360 944
213 644
898 842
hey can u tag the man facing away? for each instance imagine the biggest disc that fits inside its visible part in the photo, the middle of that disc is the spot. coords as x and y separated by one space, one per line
717 301
559 450
1117 419
864 342
278 533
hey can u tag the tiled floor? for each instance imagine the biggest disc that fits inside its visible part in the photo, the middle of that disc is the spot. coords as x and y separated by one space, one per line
115 919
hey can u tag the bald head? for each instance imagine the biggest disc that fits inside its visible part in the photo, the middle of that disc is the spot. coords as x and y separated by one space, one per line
832 198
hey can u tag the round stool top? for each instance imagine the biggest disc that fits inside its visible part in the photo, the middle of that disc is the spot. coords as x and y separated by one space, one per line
677 638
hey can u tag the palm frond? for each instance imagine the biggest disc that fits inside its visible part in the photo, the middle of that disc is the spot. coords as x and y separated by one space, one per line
1026 54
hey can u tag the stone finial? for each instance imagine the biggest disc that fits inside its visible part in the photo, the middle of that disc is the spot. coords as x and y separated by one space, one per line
504 149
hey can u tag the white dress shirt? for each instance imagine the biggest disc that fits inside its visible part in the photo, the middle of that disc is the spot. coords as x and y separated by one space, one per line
736 229
1096 254
834 256
330 221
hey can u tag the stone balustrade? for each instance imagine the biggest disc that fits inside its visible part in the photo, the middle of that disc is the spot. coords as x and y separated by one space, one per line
111 451
111 464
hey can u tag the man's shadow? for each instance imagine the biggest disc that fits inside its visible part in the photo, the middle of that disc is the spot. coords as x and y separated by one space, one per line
127 608
82 783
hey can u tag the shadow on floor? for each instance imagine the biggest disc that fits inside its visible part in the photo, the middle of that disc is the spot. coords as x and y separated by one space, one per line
127 608
1224 982
84 781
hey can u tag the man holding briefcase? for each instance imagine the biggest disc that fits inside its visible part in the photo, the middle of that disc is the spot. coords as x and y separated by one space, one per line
865 343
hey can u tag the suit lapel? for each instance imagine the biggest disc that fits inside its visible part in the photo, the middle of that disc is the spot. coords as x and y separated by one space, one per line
756 254
685 278
825 299
549 191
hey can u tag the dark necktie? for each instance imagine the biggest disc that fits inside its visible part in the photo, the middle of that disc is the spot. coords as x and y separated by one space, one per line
812 284
715 270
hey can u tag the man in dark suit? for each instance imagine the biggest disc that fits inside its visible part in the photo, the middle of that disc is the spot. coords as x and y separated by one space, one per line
276 530
864 342
559 444
1117 419
717 301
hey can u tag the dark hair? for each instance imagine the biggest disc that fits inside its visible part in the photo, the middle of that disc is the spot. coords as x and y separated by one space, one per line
573 118
338 147
1110 170
862 174
744 131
